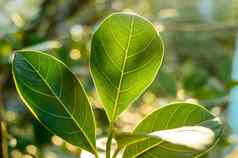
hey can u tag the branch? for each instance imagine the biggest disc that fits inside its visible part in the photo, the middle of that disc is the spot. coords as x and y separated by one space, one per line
232 27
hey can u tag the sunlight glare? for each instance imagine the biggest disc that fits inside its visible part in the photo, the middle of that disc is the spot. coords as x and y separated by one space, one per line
195 137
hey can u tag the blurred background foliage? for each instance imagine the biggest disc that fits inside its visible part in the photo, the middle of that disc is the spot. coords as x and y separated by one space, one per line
199 37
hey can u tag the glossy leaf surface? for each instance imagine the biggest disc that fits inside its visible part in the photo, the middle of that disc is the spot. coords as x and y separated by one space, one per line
178 130
126 55
55 97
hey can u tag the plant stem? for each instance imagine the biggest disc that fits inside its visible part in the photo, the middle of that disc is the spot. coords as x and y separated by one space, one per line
109 143
96 155
109 140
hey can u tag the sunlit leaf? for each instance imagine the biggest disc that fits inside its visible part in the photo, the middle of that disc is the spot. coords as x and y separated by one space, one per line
178 130
126 55
55 97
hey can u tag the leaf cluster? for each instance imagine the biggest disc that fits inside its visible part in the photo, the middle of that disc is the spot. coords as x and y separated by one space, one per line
126 54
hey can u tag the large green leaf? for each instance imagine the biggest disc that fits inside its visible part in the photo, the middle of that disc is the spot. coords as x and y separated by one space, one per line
178 130
126 55
55 97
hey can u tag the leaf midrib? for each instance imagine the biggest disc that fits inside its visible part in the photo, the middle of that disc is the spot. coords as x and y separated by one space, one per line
122 70
61 103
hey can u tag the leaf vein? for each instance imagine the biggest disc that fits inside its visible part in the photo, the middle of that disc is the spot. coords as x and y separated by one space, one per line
62 104
143 49
113 36
109 57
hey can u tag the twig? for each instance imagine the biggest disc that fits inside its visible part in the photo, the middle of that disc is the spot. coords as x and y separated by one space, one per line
109 143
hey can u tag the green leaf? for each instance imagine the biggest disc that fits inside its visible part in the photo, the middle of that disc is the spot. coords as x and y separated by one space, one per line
126 55
178 130
55 97
124 139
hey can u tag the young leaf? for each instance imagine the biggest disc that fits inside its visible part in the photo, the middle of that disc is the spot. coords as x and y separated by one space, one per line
126 55
55 97
178 130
